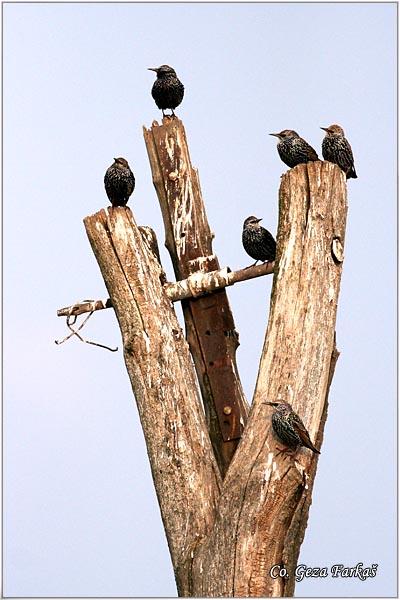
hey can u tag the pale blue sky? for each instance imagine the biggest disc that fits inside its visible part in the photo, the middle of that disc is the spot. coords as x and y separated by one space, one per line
80 512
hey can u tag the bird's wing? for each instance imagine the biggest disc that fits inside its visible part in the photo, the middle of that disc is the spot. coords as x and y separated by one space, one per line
302 432
345 154
313 154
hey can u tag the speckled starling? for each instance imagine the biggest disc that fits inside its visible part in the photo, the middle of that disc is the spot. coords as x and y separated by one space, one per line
167 90
293 150
119 182
289 428
257 241
336 149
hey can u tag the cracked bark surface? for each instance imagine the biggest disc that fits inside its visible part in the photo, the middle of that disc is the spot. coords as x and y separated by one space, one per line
224 537
265 499
157 358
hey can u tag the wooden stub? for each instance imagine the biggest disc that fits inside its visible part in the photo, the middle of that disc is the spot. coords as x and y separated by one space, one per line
210 328
84 307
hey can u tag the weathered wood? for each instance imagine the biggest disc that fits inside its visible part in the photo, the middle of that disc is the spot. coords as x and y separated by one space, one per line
199 284
225 537
84 307
263 509
195 285
185 473
210 328
295 535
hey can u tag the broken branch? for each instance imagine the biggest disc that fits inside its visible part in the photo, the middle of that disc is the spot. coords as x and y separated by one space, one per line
197 284
83 307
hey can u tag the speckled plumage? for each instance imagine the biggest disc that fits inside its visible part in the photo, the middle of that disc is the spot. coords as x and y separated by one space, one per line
289 428
257 241
336 149
167 90
293 150
119 182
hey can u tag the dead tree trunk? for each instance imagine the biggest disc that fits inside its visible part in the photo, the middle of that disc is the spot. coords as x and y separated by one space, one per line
263 509
224 537
185 473
210 328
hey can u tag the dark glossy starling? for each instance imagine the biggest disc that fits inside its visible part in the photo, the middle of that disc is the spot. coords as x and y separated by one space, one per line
119 182
336 149
293 150
167 90
257 241
289 428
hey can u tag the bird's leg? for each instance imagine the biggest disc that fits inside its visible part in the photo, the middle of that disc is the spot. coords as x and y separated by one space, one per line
249 266
286 451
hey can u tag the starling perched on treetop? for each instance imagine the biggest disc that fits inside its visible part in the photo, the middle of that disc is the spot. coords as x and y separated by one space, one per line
336 149
257 241
293 150
167 90
289 428
119 182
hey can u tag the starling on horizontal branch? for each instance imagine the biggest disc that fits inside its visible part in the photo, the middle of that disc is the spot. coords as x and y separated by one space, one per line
258 241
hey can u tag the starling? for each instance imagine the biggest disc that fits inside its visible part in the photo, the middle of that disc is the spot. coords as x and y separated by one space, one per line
167 90
257 241
289 428
336 149
119 182
293 150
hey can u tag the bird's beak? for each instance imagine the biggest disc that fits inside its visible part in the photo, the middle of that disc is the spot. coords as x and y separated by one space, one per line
275 134
115 159
271 403
258 220
153 69
324 128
